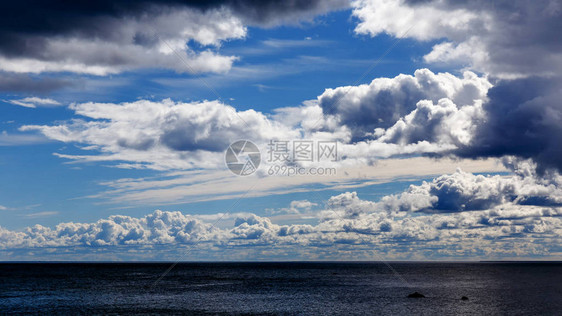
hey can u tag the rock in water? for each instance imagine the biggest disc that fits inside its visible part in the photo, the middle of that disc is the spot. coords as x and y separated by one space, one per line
464 298
416 295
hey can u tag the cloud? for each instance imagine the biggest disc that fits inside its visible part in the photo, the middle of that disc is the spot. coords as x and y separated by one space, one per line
3 208
463 191
441 114
278 44
442 123
464 216
302 204
426 113
18 139
396 17
158 227
384 101
13 82
80 15
430 129
144 41
295 208
33 102
437 114
40 214
522 119
501 39
110 41
271 13
163 135
178 187
112 37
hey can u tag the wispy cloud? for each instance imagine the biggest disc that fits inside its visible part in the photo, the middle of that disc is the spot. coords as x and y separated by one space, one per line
197 186
40 214
288 43
7 139
33 102
274 46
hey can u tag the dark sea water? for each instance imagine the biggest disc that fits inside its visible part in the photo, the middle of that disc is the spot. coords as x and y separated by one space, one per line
282 288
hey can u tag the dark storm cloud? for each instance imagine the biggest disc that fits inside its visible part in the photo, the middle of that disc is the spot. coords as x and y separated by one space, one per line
272 12
524 119
10 82
25 25
523 37
56 17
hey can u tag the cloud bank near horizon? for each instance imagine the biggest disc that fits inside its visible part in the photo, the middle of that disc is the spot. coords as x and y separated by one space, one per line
454 216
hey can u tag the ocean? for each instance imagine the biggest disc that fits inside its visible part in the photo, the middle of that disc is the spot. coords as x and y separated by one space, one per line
289 288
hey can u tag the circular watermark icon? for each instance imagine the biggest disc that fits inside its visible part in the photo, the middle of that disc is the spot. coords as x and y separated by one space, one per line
242 157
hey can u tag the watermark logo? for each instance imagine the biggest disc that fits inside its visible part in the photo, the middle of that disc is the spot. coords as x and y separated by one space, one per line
242 157
301 151
286 157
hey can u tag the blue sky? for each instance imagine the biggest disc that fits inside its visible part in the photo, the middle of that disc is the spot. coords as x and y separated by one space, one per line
426 151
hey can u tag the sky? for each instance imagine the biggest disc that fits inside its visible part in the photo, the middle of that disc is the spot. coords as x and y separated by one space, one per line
383 130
